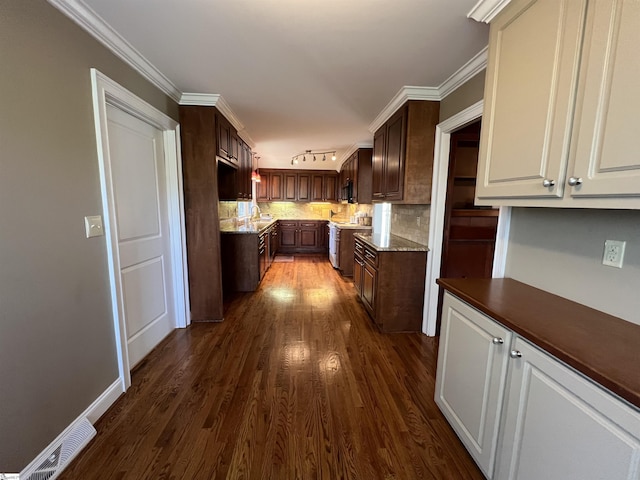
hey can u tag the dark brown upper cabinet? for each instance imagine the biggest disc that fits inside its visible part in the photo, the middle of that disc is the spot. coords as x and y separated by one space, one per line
402 163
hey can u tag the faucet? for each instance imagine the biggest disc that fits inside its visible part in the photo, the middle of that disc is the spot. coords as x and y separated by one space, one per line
257 214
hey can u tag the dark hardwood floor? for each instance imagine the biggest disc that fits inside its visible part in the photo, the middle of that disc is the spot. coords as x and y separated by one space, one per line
296 383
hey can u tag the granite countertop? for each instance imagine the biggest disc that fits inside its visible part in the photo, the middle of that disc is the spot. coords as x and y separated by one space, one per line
350 226
601 346
391 243
260 226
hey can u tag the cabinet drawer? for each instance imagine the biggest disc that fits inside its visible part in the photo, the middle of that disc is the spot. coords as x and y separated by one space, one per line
359 248
371 257
288 224
309 224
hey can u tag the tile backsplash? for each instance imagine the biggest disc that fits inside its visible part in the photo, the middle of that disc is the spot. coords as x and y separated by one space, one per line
312 210
411 222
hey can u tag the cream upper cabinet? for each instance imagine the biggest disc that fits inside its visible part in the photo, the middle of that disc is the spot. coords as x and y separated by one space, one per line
560 93
606 155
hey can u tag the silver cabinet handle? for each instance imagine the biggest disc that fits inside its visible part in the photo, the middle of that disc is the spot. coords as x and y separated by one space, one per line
497 341
548 183
574 181
515 354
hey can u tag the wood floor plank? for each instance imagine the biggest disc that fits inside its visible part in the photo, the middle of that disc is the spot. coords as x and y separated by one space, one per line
296 383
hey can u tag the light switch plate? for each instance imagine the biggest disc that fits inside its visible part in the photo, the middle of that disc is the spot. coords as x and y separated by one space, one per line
93 226
613 253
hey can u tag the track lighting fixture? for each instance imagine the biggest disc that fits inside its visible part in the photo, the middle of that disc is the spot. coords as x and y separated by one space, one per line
314 155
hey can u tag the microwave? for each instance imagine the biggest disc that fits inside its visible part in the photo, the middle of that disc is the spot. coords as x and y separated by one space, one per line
347 192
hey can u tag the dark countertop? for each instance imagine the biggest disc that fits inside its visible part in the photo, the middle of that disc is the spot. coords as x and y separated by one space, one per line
391 243
262 225
603 347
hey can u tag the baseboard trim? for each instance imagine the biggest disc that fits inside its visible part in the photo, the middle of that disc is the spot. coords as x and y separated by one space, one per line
97 408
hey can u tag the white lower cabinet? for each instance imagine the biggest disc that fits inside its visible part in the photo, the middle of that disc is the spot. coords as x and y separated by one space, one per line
559 425
470 381
517 407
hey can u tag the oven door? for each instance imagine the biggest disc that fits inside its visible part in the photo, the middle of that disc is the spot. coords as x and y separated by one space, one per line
333 254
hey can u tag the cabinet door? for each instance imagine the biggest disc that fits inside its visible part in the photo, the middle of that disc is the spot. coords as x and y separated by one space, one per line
354 176
317 188
471 377
532 71
290 186
358 269
369 278
223 128
288 235
606 154
303 187
262 188
330 188
234 144
377 163
308 235
558 425
395 153
276 186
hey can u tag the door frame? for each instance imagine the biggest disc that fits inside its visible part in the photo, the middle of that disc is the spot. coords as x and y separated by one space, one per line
107 92
436 219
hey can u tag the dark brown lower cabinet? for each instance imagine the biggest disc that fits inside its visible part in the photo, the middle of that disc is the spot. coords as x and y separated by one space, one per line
344 248
391 286
302 236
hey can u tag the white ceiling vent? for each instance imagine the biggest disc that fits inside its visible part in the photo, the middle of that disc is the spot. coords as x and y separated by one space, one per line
53 460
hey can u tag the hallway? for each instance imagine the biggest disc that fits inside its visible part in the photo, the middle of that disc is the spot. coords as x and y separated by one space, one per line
296 383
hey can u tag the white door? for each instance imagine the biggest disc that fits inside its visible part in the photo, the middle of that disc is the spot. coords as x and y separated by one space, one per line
471 377
141 227
559 426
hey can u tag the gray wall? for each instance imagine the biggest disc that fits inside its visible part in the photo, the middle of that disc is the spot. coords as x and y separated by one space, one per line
57 349
464 96
560 251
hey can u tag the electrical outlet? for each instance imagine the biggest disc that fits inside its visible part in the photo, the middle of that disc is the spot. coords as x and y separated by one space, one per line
613 253
418 220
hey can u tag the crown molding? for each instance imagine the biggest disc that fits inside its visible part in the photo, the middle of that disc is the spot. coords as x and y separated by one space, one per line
351 149
406 93
464 73
486 10
91 22
213 100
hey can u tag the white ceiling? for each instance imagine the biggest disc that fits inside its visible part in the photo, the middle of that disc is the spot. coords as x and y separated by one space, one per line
300 74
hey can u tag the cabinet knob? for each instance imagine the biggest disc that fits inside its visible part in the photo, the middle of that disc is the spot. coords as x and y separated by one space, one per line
515 354
497 341
574 181
548 183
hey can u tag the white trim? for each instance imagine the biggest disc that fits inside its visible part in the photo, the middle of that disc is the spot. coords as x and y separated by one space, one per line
405 93
502 243
350 151
96 26
464 73
212 100
469 70
486 10
436 219
93 412
106 91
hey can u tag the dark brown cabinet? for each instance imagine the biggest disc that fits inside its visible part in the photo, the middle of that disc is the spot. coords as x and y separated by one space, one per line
356 172
402 164
271 187
234 181
390 285
200 175
345 244
303 187
324 187
297 185
227 141
302 236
